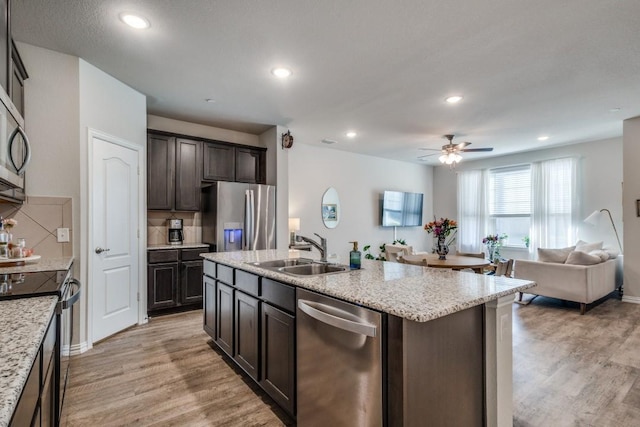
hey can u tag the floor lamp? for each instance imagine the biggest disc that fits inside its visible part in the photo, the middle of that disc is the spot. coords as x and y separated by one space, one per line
595 217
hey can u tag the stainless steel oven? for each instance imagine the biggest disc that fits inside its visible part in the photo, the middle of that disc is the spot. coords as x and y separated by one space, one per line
70 295
15 152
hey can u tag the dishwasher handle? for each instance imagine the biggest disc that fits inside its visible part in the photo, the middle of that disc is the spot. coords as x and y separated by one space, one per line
314 310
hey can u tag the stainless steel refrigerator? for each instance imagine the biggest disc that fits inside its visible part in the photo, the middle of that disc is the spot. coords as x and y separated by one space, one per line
237 216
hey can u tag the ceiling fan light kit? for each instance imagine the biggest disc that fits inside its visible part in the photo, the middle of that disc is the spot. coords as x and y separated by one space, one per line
450 152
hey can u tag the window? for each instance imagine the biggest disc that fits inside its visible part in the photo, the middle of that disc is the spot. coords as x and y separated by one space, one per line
509 203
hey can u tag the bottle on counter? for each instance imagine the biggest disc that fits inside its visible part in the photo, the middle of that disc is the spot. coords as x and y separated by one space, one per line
354 257
4 241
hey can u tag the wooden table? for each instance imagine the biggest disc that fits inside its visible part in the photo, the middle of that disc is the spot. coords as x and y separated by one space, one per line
454 262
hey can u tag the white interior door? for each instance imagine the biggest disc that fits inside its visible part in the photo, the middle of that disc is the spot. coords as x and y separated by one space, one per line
114 237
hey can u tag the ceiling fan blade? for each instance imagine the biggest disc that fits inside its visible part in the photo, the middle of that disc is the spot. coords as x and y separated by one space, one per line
428 155
462 145
471 150
429 149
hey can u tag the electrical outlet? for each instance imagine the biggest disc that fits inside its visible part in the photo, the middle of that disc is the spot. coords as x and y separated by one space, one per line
63 235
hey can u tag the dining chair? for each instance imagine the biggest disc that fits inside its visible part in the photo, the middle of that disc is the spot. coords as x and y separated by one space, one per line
394 252
504 268
471 254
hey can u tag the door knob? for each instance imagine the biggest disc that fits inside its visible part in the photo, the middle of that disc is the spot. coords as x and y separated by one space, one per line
99 250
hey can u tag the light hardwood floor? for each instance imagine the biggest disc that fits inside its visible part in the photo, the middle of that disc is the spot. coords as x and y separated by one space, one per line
569 370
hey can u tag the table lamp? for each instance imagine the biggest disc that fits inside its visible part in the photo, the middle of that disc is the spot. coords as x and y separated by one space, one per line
294 225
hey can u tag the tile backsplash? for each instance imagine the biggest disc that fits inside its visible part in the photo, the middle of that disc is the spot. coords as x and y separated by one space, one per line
157 226
37 222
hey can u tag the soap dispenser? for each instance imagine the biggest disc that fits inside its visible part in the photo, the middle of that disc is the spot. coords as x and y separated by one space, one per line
354 257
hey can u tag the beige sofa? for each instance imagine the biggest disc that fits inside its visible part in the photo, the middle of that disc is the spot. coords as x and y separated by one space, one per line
580 283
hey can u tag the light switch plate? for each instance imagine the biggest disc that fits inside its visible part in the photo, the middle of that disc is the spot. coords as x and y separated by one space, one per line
62 234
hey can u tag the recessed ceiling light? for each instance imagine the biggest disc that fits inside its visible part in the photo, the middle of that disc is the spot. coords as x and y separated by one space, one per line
211 100
453 99
328 141
134 21
615 110
281 72
351 134
543 138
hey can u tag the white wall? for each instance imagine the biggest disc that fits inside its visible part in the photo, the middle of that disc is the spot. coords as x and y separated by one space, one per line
109 106
360 181
202 131
601 172
278 175
631 150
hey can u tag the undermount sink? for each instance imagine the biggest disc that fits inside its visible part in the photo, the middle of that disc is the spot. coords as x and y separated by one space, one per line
314 269
278 263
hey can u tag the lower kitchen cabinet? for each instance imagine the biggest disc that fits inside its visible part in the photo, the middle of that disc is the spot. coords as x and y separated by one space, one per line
252 319
247 334
224 317
174 278
278 376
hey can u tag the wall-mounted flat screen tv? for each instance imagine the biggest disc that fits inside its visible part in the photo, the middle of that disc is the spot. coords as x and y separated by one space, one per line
401 209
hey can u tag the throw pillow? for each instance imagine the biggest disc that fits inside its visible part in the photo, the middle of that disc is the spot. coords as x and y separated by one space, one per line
554 255
613 253
603 255
582 258
588 247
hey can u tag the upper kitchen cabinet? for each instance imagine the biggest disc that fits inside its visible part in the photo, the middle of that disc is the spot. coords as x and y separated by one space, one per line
173 173
228 162
18 74
5 38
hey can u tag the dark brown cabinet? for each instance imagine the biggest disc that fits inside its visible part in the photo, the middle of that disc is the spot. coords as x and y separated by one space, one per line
278 356
226 162
5 36
247 333
174 278
17 74
174 173
224 317
252 319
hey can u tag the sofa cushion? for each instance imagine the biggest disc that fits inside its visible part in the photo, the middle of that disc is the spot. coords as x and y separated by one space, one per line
554 255
603 255
613 253
582 258
583 246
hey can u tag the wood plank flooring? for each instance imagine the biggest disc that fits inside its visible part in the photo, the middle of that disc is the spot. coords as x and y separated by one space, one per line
569 370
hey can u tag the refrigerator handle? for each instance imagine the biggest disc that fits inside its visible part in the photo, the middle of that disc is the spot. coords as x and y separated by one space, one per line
249 211
252 221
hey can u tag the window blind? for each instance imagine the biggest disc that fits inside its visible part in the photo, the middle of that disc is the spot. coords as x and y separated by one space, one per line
510 191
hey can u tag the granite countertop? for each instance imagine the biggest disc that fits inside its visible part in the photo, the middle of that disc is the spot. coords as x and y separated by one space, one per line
43 264
182 246
408 291
23 323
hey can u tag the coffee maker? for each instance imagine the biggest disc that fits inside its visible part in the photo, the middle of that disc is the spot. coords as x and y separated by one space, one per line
175 236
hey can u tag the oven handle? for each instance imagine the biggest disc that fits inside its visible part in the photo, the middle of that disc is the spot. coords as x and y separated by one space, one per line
75 296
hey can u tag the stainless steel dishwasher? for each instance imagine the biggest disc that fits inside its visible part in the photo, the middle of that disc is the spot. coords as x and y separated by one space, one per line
339 363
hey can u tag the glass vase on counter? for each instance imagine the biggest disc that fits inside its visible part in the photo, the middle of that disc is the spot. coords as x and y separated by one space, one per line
5 238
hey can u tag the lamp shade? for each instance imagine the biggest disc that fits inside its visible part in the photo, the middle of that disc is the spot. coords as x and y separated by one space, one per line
294 224
594 218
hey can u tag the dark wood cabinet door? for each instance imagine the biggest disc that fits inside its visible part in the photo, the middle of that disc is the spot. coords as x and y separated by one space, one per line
162 286
188 174
278 356
219 162
209 303
4 44
224 317
249 166
191 282
161 160
247 342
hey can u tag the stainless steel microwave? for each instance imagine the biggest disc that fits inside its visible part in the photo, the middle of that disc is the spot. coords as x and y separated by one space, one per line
15 152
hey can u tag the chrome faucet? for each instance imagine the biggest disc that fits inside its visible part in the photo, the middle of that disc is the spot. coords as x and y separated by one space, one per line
322 246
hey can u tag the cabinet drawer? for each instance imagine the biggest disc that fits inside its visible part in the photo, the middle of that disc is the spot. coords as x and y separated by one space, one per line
163 256
225 274
193 254
247 282
279 294
48 346
210 269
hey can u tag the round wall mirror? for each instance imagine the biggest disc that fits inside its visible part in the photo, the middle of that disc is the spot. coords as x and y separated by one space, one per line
330 208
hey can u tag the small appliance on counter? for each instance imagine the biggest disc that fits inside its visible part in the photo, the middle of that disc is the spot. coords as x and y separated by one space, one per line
175 235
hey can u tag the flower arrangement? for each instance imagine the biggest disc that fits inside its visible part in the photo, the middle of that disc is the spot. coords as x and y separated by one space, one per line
441 227
9 223
493 242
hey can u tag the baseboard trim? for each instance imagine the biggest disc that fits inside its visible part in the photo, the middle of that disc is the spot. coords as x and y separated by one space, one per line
76 349
632 300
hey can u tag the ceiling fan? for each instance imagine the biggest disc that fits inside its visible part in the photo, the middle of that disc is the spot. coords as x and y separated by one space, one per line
450 152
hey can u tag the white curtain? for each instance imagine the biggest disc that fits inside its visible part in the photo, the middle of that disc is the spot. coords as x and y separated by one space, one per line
554 203
472 210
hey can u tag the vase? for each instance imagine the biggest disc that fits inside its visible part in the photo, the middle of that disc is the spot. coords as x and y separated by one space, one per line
442 249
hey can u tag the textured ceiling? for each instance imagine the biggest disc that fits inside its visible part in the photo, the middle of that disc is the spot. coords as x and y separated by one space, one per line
381 68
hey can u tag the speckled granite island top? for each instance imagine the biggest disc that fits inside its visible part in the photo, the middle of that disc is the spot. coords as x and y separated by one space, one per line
23 323
408 291
43 264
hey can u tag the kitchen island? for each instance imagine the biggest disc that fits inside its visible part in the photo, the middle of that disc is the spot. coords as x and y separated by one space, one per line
444 331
